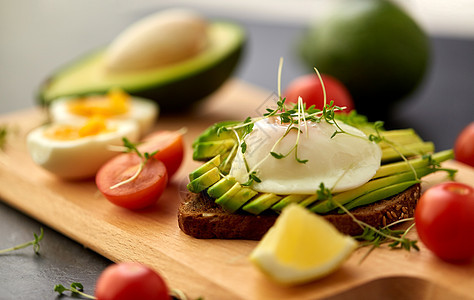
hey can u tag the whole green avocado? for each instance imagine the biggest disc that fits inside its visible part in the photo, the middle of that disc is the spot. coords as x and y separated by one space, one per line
374 47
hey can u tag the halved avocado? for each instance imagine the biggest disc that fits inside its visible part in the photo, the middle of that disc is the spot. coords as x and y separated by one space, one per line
172 87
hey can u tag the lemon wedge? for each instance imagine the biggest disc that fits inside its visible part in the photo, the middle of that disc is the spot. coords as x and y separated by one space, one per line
300 247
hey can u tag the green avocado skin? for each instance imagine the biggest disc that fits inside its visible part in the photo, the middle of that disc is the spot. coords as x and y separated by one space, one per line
172 96
182 94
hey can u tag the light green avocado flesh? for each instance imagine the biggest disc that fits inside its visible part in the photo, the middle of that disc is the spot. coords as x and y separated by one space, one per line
235 197
211 164
391 179
171 86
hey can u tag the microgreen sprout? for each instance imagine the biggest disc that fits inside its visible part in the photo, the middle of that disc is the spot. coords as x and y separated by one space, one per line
34 243
252 178
376 238
437 166
371 235
131 148
378 138
3 136
75 288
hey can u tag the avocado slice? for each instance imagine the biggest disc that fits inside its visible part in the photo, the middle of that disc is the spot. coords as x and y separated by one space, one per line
173 87
235 197
211 164
221 187
212 133
261 203
206 150
204 181
293 198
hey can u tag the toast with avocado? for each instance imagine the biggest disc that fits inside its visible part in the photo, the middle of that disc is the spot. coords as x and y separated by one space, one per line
342 167
199 216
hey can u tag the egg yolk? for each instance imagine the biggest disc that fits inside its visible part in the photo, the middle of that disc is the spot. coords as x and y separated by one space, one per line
64 132
116 102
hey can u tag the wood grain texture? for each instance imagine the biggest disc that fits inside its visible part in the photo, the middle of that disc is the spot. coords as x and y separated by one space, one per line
214 269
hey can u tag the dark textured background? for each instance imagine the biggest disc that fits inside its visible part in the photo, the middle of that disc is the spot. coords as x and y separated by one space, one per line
438 111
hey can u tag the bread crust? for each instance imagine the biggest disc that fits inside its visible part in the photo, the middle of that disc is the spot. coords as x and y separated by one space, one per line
199 216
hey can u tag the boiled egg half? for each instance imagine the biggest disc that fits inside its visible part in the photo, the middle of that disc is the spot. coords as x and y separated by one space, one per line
342 162
115 105
76 150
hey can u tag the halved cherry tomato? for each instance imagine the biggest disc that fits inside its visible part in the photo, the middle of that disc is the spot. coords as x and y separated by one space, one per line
464 146
444 218
138 193
130 281
309 88
170 148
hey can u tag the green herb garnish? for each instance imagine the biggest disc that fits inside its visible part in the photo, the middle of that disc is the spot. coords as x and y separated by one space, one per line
75 288
34 243
3 136
131 148
252 178
372 236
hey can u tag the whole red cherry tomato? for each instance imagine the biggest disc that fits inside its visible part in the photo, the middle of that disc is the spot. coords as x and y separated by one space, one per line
464 146
309 88
444 219
130 281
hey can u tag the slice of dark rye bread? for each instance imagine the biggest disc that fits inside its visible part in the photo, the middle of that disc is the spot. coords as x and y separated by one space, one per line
199 216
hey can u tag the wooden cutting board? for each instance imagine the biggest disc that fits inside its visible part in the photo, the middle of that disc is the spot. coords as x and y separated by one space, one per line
213 269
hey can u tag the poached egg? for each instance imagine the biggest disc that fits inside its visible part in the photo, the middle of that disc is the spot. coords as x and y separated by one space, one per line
342 162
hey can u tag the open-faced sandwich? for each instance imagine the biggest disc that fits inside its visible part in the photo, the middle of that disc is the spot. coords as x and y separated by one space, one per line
335 164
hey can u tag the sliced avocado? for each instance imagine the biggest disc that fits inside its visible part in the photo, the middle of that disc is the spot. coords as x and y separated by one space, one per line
214 162
227 196
293 198
204 151
261 203
421 148
309 200
236 197
204 181
227 159
213 132
402 166
400 137
347 196
382 193
221 187
173 87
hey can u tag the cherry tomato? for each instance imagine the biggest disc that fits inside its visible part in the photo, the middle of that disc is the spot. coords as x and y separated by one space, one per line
138 193
464 146
444 219
130 281
170 148
309 88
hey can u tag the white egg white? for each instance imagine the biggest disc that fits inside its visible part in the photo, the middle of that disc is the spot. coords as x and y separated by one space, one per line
82 157
342 162
142 111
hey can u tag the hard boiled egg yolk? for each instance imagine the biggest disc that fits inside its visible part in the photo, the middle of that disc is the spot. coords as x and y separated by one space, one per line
116 102
65 132
342 162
